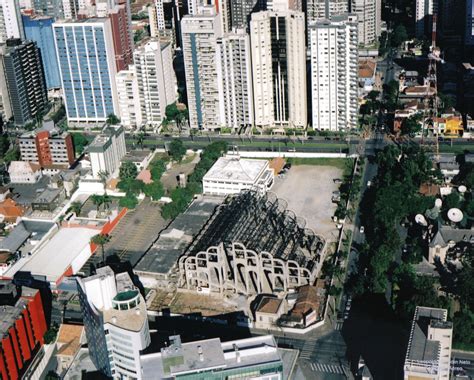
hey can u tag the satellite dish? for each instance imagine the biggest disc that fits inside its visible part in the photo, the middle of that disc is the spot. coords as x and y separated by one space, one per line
462 189
438 202
420 219
455 215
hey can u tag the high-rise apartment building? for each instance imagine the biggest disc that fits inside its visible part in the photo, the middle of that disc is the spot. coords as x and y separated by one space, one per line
424 11
116 323
242 9
368 18
120 20
51 8
156 80
318 9
47 147
429 346
86 58
334 69
40 30
129 98
279 68
235 78
24 79
107 150
200 33
10 20
71 9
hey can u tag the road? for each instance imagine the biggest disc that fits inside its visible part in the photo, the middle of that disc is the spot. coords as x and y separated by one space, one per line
462 364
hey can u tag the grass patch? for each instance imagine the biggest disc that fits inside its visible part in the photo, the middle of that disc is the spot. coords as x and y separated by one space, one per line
188 159
456 148
340 163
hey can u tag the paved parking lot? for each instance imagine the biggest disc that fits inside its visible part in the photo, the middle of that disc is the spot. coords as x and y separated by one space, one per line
308 191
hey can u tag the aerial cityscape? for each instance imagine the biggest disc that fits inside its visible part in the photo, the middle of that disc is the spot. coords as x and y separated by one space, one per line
237 189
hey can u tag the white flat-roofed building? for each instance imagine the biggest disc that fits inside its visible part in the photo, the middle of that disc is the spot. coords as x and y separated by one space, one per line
64 254
107 150
254 358
429 346
232 174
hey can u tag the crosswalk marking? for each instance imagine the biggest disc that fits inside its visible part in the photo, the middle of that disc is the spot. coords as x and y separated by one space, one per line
338 325
327 368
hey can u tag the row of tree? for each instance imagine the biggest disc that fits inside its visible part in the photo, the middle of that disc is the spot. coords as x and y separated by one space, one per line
391 199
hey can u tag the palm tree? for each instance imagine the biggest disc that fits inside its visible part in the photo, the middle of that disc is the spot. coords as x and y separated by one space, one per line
140 139
102 240
76 207
106 201
103 176
98 200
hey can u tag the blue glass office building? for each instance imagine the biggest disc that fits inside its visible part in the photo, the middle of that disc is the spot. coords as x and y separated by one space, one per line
40 30
87 66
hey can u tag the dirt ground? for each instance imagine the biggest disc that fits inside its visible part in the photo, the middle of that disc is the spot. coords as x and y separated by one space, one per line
184 303
170 180
308 191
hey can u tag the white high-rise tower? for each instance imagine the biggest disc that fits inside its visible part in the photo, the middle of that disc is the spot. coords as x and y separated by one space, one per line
334 69
200 33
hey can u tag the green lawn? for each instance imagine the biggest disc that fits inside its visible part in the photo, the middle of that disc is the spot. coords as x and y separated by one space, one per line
340 163
456 148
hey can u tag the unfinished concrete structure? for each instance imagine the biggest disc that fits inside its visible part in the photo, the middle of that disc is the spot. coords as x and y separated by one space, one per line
252 244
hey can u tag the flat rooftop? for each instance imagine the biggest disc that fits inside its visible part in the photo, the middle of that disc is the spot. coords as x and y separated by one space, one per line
174 240
67 246
184 358
234 168
420 348
22 232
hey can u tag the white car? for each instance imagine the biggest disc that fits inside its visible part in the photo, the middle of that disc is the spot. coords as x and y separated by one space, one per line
362 229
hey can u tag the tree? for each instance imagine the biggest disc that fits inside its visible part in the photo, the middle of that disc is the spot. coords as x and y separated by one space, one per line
79 141
112 119
103 176
101 240
399 36
13 154
157 168
154 190
97 200
106 201
76 208
128 171
50 335
463 327
4 144
446 101
171 111
129 201
177 150
140 139
411 125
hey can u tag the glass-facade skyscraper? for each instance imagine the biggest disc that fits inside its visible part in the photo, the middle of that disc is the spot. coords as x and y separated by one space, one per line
40 30
86 58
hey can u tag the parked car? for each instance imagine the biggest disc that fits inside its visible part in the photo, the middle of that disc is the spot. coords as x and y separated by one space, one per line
362 229
337 181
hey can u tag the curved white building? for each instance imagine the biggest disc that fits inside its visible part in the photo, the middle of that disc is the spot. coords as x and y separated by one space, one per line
116 324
